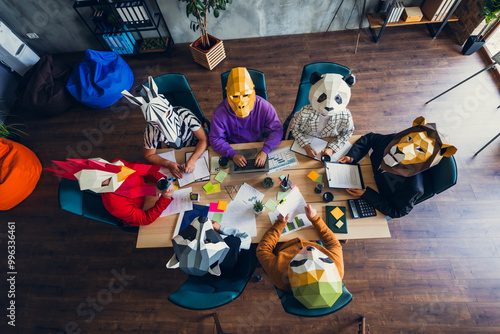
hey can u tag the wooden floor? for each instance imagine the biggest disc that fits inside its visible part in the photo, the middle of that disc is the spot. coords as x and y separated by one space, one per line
439 273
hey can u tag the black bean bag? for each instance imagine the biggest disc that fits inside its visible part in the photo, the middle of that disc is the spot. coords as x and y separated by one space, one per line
43 88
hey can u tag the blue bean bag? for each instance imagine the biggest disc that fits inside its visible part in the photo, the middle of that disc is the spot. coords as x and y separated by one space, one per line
99 78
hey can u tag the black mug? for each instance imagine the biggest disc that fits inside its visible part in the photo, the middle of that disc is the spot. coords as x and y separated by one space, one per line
163 184
319 188
327 197
325 158
224 162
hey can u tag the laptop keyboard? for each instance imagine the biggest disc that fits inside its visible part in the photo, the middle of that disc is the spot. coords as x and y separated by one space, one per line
250 166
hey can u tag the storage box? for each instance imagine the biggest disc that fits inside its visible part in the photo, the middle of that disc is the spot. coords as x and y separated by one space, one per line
412 14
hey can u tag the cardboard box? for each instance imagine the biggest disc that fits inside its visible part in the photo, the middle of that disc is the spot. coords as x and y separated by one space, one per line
412 14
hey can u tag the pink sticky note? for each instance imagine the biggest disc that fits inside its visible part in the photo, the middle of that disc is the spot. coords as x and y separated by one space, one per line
213 208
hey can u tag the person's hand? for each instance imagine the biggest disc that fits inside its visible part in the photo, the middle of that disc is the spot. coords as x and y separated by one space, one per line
282 219
169 192
345 159
175 169
189 166
355 192
239 160
260 159
327 151
309 151
310 212
215 225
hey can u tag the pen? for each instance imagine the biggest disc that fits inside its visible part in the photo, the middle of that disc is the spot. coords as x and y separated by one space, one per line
312 149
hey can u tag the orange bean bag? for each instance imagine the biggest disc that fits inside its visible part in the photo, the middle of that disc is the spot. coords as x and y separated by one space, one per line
20 170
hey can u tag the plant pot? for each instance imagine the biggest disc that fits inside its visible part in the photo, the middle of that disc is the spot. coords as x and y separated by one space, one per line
258 212
268 182
208 58
472 45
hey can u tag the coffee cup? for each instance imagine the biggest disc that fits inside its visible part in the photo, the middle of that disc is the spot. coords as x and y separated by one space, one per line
224 162
325 158
327 197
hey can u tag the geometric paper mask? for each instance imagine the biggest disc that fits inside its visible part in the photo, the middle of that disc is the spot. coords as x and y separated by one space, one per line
101 176
330 93
198 249
416 149
158 112
314 278
240 92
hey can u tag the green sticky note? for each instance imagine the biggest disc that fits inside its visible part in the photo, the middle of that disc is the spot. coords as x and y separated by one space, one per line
218 217
208 187
271 205
281 195
221 176
320 178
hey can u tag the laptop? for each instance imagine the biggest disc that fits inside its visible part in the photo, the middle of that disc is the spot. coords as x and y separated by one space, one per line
249 155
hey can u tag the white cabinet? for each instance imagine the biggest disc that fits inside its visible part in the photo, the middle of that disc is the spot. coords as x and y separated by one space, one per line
14 52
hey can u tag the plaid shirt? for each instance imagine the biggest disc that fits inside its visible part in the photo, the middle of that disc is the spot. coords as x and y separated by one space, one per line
340 126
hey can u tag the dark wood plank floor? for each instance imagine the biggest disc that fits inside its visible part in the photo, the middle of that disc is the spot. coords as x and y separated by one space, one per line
439 273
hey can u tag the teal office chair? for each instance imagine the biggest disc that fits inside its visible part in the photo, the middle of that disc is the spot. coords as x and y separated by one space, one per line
258 79
87 204
177 91
206 292
439 178
293 306
302 98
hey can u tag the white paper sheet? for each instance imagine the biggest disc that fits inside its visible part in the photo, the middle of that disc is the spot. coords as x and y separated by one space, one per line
295 224
319 144
248 195
170 156
241 216
181 202
341 153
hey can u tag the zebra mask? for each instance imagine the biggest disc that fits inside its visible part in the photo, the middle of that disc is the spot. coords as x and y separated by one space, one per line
158 112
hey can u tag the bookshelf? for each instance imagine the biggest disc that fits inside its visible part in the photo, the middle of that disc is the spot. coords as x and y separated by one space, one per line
126 27
378 20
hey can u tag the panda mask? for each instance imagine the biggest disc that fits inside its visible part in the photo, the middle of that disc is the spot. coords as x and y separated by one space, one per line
330 93
199 249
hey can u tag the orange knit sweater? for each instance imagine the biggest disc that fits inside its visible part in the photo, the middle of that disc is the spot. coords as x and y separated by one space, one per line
275 259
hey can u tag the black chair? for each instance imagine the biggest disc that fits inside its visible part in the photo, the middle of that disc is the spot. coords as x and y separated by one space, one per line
302 98
439 178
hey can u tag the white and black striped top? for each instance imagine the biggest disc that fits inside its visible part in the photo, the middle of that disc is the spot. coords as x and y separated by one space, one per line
188 124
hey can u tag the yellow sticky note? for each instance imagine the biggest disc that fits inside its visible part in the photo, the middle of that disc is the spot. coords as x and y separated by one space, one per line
339 224
215 189
313 175
175 187
222 205
337 213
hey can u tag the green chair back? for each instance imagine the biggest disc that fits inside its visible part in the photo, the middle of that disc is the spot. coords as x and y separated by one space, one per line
302 98
293 306
258 79
177 91
207 292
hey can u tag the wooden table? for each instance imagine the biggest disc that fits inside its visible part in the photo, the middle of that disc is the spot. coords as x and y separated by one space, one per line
160 232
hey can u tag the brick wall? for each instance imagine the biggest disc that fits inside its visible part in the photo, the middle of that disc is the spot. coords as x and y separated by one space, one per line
469 18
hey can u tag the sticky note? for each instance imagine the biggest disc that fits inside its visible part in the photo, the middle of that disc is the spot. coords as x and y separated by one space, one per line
320 178
221 176
215 189
271 205
217 217
175 187
337 213
313 175
222 205
281 195
339 224
208 187
214 208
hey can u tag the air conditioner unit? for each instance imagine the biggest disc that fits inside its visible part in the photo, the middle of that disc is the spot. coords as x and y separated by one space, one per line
14 53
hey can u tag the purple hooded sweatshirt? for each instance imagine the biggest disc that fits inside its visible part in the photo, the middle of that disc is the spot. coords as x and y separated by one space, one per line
262 124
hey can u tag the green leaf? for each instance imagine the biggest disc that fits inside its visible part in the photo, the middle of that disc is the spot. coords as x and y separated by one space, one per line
216 13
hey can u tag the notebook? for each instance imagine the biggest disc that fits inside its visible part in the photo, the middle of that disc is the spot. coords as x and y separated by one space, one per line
336 218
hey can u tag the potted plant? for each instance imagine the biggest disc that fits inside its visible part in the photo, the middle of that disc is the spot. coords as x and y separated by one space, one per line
258 207
475 42
10 131
268 182
207 50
